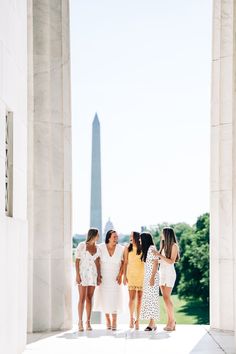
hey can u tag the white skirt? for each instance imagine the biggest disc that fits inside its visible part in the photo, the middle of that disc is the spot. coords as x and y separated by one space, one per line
108 296
167 274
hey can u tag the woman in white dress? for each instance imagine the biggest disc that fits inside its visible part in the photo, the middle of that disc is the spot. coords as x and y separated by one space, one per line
88 274
150 303
108 296
168 254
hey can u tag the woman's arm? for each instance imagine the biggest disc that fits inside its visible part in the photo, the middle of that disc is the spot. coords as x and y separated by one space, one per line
126 252
119 276
174 253
77 268
154 271
98 266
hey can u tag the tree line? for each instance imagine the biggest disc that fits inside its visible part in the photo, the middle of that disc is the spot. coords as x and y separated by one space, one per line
193 267
192 270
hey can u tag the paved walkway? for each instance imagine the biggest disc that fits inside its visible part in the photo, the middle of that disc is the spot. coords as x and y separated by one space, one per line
194 339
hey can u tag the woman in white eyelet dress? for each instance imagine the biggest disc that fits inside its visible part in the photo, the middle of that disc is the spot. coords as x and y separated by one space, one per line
108 296
88 269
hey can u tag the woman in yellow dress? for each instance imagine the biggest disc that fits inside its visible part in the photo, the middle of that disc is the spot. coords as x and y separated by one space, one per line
133 276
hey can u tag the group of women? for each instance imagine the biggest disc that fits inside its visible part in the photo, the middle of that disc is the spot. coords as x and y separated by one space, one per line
102 270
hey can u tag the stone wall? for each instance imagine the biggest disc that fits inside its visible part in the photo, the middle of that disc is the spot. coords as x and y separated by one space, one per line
13 230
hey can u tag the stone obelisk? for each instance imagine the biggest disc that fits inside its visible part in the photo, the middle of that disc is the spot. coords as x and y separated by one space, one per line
96 202
96 190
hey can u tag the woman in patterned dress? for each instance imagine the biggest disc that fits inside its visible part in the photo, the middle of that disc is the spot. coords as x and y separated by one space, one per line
150 302
169 254
133 276
88 274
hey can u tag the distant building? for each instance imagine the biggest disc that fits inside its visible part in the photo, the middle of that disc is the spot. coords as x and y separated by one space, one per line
109 226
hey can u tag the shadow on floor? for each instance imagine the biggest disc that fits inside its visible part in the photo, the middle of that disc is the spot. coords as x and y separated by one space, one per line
96 333
35 337
198 309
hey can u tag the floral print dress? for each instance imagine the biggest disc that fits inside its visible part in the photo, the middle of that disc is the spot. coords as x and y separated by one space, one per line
150 303
88 269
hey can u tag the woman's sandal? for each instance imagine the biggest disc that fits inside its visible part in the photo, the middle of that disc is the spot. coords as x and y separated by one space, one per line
80 326
149 329
108 325
170 329
132 322
114 326
88 326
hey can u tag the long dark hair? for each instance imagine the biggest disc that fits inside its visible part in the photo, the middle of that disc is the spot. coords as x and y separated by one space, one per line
169 240
136 241
108 235
147 241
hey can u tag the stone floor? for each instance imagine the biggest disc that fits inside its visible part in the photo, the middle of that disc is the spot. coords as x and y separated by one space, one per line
194 339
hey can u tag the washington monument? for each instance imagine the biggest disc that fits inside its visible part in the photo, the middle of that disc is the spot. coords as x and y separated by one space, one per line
96 201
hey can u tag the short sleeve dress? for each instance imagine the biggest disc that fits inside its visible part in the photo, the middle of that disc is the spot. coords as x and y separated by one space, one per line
88 269
150 302
135 270
108 296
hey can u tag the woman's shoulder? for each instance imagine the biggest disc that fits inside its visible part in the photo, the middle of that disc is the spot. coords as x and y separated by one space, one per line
80 250
175 245
120 247
152 252
101 246
152 248
81 245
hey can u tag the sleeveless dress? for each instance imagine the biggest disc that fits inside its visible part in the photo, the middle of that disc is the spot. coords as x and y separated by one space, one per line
88 269
150 308
167 273
108 296
135 270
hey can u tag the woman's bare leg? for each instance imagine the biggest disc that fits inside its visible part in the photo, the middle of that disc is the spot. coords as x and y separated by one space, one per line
151 323
114 321
132 295
82 297
139 303
89 297
108 320
166 293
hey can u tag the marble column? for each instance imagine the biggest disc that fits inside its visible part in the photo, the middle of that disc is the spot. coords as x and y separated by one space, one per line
49 161
223 169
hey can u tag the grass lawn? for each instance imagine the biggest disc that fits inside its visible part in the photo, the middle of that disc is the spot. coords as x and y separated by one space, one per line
186 312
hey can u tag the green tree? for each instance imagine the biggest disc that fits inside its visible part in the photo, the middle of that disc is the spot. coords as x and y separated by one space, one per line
183 231
194 264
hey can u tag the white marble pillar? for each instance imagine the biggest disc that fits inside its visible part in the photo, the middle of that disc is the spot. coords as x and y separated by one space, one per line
223 168
49 161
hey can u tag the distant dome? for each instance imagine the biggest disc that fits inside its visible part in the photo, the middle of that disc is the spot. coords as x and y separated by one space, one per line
109 226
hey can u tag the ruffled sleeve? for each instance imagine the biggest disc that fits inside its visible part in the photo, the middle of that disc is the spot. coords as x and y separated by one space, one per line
79 251
98 253
151 251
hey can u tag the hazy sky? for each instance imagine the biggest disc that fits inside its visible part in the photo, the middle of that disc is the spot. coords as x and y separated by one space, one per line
145 67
